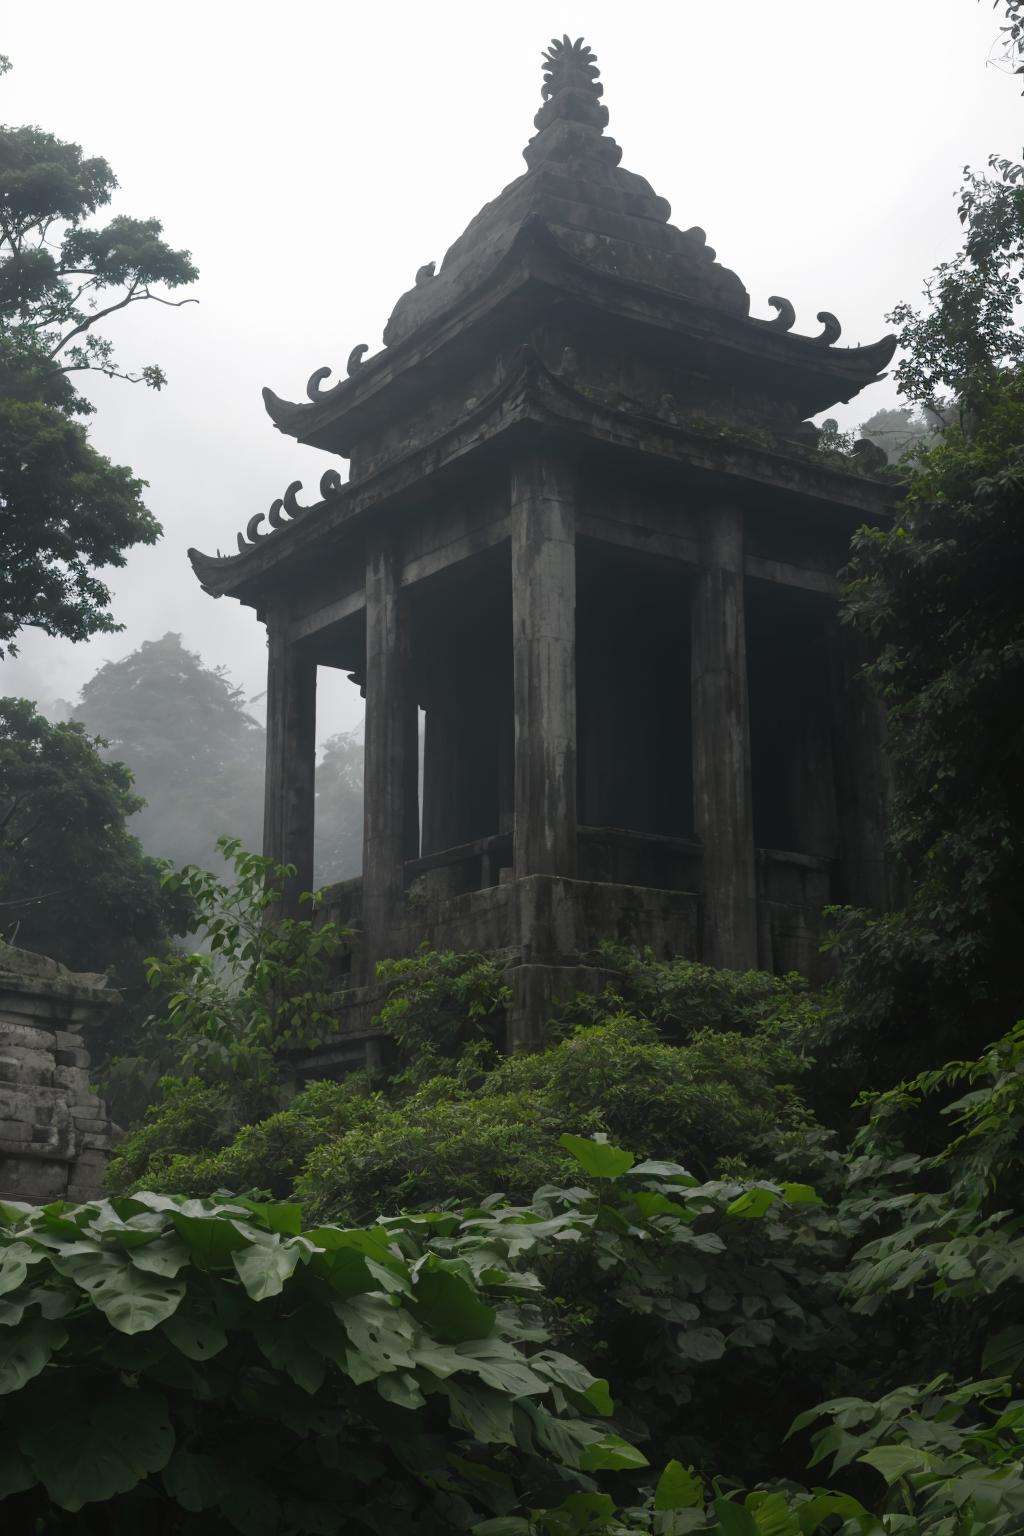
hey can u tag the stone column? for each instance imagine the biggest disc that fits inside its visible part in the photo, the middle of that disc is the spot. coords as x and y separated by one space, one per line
289 794
861 776
544 665
390 816
721 745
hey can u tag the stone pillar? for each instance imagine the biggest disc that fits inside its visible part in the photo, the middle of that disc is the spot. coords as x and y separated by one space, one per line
390 814
721 745
544 665
55 1133
861 776
290 791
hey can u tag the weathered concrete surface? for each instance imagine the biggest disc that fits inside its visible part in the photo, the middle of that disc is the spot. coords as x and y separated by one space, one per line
543 523
722 785
55 1133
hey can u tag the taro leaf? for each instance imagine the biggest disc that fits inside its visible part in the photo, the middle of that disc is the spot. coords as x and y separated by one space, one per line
11 1211
380 1336
611 1454
1004 1353
290 1345
753 1334
447 1302
650 1205
211 1240
264 1267
15 1473
14 1265
700 1344
734 1520
576 1378
671 1171
895 1461
13 1310
752 1204
198 1337
599 1158
131 1300
813 1511
166 1256
192 1480
772 1514
276 1216
801 1194
678 1488
94 1451
400 1387
24 1354
500 1366
485 1414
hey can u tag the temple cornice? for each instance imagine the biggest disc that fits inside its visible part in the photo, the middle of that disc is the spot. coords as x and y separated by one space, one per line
810 370
532 394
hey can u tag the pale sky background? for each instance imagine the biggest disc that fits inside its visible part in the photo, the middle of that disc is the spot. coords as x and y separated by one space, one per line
312 156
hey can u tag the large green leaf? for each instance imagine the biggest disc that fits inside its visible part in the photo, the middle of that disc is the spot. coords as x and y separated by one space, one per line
733 1519
25 1351
168 1255
575 1377
132 1300
99 1448
1004 1353
752 1204
15 1260
380 1337
211 1240
500 1366
700 1344
448 1303
192 1480
198 1335
895 1461
599 1158
611 1454
773 1514
678 1488
264 1267
487 1415
277 1216
15 1473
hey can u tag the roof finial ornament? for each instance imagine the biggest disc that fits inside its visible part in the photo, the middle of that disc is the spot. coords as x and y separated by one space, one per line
570 65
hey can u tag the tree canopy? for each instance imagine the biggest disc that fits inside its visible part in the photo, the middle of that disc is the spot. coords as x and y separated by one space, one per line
74 883
67 510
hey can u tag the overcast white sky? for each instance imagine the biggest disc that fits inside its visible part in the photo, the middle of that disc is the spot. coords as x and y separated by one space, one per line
313 155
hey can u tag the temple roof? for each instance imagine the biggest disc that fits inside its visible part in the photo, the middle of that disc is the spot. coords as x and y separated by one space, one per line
609 217
575 223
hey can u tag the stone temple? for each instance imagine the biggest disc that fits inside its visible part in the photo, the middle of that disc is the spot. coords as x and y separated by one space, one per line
586 530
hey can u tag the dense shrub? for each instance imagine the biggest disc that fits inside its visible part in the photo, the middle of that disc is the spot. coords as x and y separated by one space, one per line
487 1123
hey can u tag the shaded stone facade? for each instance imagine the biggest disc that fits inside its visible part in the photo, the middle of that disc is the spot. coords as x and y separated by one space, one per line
55 1133
587 534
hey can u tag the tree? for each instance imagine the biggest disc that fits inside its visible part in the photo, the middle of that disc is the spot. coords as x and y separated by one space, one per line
899 431
74 883
339 809
67 510
195 754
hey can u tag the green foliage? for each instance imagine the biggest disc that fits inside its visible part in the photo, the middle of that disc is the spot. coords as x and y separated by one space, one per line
438 1004
938 599
212 1356
74 884
67 510
257 988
